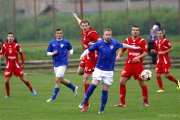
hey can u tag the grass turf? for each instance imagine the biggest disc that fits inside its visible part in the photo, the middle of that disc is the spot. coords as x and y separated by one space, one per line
22 105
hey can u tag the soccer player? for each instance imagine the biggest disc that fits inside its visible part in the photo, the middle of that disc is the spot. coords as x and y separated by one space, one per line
133 66
162 48
87 65
59 48
103 72
11 50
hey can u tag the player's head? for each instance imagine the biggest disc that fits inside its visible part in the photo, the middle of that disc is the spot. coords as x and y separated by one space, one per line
107 34
135 31
58 33
160 33
84 25
10 37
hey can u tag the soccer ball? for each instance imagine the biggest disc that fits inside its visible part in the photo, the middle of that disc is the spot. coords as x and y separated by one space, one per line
146 74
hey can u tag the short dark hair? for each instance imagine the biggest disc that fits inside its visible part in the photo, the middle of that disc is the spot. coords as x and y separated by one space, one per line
160 29
58 29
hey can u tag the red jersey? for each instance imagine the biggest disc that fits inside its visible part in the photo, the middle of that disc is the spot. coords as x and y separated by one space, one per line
139 42
90 36
162 45
11 53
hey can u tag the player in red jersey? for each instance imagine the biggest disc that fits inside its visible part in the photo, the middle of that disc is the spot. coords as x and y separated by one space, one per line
133 66
163 47
87 65
11 50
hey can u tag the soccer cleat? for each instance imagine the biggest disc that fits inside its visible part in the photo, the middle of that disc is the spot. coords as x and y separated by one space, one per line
50 100
120 105
81 106
34 93
6 97
145 104
100 112
178 87
85 108
76 92
160 91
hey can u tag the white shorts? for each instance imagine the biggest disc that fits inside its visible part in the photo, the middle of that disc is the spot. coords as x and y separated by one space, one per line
59 71
106 77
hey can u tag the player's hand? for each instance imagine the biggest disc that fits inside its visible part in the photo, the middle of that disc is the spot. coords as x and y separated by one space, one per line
74 14
118 58
161 52
91 43
81 57
55 52
135 59
22 65
153 51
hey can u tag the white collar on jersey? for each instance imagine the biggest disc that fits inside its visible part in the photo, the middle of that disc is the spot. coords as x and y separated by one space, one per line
58 39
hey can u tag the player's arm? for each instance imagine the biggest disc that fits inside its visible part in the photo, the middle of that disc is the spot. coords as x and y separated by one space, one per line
51 51
130 47
164 52
22 58
120 53
77 18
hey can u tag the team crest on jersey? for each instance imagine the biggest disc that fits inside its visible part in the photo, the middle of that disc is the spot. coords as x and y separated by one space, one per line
62 45
111 46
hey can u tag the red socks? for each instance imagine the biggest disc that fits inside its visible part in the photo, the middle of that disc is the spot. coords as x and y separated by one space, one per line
145 93
29 85
7 86
159 81
122 93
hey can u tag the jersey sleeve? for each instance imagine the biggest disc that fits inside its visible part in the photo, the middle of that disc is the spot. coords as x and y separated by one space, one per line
94 47
156 45
144 45
50 48
69 46
2 51
168 44
93 36
124 49
18 49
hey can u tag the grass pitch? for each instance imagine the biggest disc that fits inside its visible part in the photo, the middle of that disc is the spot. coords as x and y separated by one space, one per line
23 106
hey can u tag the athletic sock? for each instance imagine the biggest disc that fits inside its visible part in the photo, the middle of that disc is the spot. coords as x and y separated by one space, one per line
122 93
88 93
171 78
29 86
159 81
86 86
71 86
104 99
145 93
7 86
56 90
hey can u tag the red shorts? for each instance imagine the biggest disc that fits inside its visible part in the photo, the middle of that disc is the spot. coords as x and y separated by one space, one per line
162 68
17 72
88 65
132 69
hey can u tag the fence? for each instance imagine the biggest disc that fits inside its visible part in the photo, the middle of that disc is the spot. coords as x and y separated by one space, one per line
37 19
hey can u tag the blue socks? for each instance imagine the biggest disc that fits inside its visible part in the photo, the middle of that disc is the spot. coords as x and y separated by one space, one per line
56 90
88 93
71 86
104 99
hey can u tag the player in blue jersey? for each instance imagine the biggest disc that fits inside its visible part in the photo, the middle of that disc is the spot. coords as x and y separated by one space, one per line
59 48
103 72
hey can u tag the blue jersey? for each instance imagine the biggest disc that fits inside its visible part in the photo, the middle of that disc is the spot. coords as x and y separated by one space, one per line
106 53
62 47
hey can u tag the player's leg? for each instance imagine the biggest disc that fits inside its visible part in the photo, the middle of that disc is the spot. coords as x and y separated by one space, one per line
88 95
107 81
59 73
159 71
144 92
8 74
70 85
166 71
27 83
7 87
81 67
56 90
